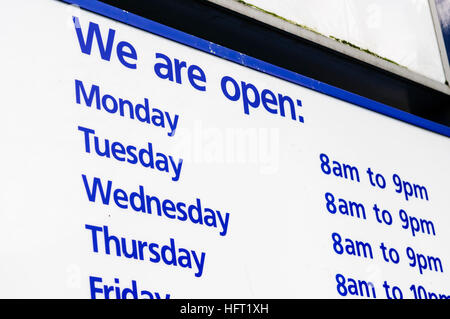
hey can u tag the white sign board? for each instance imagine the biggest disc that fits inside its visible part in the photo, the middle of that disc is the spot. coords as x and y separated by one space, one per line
135 166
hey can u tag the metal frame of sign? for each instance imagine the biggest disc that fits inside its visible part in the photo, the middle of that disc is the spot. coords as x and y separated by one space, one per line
261 66
441 41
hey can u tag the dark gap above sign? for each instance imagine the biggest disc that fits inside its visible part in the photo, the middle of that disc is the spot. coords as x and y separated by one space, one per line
240 33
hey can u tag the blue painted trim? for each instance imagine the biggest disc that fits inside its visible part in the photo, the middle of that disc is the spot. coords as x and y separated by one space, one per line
234 56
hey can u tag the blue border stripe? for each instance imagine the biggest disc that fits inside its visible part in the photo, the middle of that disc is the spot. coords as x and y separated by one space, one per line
248 61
